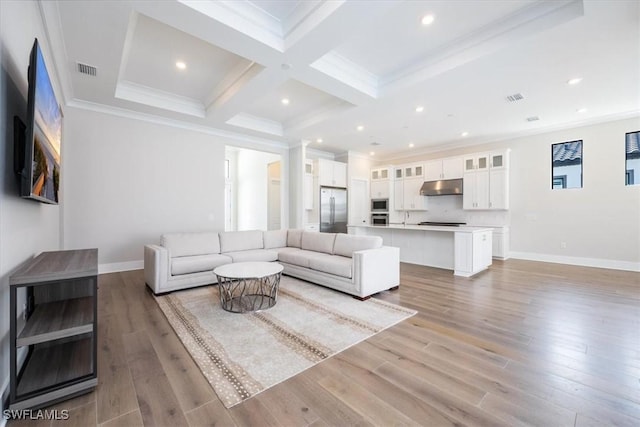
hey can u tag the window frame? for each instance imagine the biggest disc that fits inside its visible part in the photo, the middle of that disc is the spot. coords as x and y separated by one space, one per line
579 161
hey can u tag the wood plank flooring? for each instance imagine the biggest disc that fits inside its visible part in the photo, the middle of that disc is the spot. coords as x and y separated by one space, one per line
522 344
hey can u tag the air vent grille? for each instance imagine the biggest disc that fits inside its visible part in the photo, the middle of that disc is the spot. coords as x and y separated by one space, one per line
375 143
515 97
89 70
533 119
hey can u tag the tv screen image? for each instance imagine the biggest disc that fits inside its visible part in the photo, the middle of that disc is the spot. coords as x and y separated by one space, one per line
41 174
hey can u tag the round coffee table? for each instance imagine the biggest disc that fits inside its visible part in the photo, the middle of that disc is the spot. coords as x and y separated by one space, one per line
248 286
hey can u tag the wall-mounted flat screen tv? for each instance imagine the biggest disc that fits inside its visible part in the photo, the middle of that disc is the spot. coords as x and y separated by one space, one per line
41 169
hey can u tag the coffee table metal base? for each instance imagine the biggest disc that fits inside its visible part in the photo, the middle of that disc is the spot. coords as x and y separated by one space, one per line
241 295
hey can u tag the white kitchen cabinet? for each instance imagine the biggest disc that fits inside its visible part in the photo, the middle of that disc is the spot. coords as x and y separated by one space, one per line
415 170
332 174
498 189
398 195
380 187
412 199
475 193
476 162
407 181
486 181
380 174
500 240
472 252
406 195
449 168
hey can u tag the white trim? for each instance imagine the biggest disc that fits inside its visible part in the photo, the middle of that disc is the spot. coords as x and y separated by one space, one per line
404 156
134 115
120 266
581 261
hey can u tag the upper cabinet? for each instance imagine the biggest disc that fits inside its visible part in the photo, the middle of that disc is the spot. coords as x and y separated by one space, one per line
475 162
380 174
408 180
449 168
486 181
380 183
332 174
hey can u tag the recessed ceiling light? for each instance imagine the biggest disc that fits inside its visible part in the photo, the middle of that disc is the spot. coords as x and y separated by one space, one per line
574 81
181 65
463 134
360 128
428 19
372 153
319 140
419 109
285 101
411 145
581 110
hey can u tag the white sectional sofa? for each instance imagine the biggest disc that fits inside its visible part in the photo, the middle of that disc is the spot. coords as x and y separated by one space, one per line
357 265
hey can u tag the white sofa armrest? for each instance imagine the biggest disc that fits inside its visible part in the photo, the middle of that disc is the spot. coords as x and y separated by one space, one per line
376 270
156 267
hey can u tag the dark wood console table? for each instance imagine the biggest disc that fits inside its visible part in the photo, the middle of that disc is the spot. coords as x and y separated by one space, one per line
58 329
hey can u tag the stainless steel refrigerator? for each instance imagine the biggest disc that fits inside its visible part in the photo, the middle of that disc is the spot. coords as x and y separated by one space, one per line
333 210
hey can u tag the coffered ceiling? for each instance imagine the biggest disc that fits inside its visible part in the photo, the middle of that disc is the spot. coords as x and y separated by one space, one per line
288 71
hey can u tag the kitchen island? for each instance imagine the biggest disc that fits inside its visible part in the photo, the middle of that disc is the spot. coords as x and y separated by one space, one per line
465 250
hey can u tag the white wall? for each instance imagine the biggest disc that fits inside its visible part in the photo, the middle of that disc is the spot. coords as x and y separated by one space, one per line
598 224
251 188
26 227
127 181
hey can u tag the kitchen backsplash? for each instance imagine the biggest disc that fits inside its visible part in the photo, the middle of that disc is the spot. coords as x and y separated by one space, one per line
449 208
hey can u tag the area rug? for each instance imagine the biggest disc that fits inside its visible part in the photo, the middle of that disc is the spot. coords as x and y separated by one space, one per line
244 354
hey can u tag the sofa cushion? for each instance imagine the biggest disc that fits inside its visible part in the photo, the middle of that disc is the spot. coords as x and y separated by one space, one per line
232 241
186 244
332 264
197 263
253 255
346 244
294 238
297 257
275 239
318 242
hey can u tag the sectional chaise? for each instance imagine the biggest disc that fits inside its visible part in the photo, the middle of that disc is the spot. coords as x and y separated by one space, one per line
357 265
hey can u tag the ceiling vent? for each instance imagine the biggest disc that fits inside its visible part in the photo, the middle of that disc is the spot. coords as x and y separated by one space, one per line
533 119
515 97
89 70
375 143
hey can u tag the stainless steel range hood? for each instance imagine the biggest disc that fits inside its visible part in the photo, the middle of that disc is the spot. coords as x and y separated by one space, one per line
443 187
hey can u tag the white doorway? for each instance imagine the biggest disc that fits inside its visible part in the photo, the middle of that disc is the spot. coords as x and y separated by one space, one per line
273 196
359 201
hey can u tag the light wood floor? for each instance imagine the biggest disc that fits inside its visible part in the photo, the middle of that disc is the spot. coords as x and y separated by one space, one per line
525 343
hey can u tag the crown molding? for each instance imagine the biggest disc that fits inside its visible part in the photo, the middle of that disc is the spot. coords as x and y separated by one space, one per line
452 145
244 140
141 94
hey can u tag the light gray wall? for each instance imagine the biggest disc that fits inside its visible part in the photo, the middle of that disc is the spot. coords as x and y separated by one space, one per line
598 223
26 227
128 181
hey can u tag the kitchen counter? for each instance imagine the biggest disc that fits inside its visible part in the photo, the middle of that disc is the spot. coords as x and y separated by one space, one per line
459 228
464 249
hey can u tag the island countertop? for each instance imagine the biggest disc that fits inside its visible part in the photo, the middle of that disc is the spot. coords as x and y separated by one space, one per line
464 249
459 228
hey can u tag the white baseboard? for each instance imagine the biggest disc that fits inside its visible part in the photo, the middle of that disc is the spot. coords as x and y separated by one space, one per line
120 266
585 262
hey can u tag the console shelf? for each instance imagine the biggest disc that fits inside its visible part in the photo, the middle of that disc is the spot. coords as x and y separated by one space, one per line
58 319
59 331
